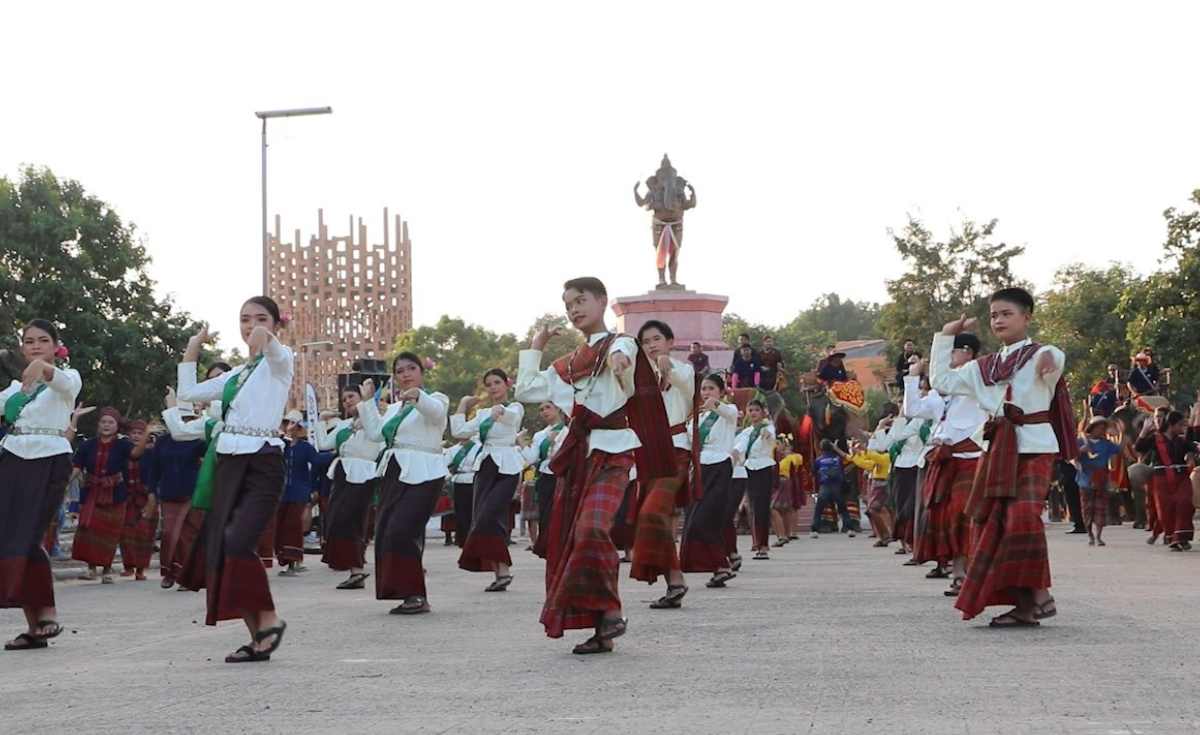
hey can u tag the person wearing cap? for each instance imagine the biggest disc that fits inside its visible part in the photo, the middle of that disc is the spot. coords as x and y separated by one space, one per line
141 508
1095 453
833 369
953 451
1031 422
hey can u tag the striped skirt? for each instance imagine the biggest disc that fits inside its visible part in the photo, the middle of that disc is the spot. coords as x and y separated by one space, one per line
137 538
96 544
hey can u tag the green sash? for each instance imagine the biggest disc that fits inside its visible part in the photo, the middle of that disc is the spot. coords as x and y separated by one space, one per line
393 424
544 449
485 427
898 447
753 438
706 425
234 386
463 451
206 479
17 402
342 437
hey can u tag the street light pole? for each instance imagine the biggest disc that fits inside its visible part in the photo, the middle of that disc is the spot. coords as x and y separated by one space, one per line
266 245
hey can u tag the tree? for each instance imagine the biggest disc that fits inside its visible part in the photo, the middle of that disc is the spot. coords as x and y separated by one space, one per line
1163 311
1081 315
461 354
68 257
943 279
844 319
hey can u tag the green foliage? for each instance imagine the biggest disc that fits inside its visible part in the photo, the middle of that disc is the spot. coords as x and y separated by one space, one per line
1081 315
845 320
943 279
68 257
1163 311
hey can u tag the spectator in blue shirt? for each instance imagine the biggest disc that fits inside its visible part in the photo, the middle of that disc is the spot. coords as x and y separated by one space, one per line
1095 452
828 470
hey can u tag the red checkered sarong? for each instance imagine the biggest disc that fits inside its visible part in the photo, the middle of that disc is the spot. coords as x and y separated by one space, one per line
137 538
581 564
96 543
654 551
1008 546
1175 509
945 533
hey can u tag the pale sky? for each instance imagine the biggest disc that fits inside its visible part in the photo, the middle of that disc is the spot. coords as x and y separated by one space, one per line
510 135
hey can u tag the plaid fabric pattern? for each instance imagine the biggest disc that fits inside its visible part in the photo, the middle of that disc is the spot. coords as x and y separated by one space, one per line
96 544
945 533
137 538
1008 549
1175 509
877 498
582 566
654 552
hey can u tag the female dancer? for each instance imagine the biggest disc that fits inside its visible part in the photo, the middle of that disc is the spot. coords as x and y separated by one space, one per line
497 472
755 448
733 504
176 465
413 474
353 473
249 475
105 460
141 508
703 545
538 454
299 456
35 465
460 463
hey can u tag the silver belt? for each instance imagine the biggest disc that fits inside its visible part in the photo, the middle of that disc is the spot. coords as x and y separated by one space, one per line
417 448
250 431
34 431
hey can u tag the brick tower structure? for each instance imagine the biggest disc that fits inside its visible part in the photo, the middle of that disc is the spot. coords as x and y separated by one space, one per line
341 290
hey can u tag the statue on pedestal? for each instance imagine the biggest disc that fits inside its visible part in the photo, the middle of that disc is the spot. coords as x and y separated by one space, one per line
666 198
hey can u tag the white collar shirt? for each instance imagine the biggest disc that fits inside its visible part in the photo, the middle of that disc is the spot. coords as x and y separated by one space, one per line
50 411
957 417
501 443
417 445
718 445
533 452
259 405
677 398
466 468
357 456
762 454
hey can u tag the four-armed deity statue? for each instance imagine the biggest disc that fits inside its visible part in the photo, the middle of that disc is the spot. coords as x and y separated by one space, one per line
667 199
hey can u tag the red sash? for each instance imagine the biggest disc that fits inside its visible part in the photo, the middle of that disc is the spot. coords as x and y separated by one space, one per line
935 464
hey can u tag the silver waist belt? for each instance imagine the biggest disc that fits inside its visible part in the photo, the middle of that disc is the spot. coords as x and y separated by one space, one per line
250 431
417 448
35 431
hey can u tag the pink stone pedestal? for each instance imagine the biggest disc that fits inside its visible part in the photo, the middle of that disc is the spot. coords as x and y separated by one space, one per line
694 317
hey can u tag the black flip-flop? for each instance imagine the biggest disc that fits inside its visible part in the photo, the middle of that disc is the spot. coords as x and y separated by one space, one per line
500 585
590 646
249 656
937 573
29 642
355 582
611 629
55 629
277 631
1042 613
406 609
1016 622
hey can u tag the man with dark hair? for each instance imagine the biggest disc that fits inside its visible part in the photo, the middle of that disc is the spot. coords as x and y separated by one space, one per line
770 364
616 409
699 360
1031 421
746 371
742 361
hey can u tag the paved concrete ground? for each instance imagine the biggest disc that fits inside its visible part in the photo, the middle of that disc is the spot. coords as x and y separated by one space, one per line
829 636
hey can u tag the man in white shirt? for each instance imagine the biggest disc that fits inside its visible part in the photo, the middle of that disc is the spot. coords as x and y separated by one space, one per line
950 459
593 384
1031 422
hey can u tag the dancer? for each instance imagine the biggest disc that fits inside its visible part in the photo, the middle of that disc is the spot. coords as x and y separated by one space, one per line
1021 389
654 552
704 547
354 482
460 463
879 465
498 467
35 466
412 474
906 445
104 461
733 505
248 476
950 463
616 408
539 453
754 448
1170 449
141 508
1095 453
176 466
299 456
